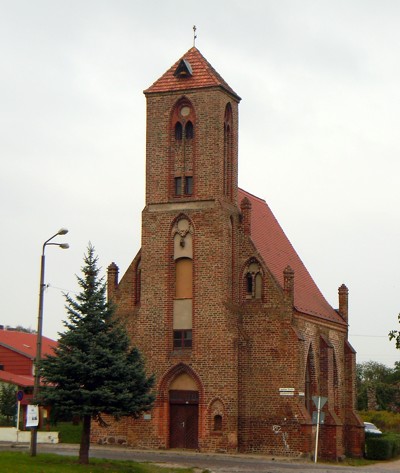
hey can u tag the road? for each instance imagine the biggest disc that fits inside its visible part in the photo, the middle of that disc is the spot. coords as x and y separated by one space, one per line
215 463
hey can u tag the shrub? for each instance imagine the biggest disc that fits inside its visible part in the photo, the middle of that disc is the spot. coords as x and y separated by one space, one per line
378 448
385 420
382 447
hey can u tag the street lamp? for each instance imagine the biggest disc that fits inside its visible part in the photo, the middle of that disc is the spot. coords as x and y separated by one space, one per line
36 385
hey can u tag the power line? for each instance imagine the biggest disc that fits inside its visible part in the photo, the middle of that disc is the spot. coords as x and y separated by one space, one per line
368 336
66 291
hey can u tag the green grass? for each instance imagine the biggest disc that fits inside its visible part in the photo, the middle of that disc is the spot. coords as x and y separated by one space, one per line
20 462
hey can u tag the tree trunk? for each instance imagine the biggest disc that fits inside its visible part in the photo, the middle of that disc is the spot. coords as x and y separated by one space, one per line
85 440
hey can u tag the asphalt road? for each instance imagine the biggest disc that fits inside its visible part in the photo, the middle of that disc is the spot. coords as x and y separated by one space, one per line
215 463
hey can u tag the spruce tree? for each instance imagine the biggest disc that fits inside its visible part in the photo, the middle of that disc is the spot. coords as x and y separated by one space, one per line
94 369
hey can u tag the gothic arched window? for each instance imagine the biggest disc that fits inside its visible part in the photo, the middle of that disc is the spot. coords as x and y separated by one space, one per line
182 146
178 131
253 281
138 282
228 152
183 277
310 381
189 132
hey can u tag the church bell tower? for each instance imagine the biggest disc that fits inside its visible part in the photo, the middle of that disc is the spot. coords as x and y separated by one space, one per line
189 228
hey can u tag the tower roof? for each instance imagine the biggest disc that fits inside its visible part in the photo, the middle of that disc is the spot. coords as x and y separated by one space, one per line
191 71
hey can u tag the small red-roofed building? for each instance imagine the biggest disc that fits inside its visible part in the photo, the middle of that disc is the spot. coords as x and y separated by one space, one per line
239 337
17 356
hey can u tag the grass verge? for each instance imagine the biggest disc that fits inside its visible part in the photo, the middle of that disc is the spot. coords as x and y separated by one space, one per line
21 462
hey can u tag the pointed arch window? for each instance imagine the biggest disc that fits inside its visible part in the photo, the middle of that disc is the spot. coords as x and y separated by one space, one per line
183 278
325 348
310 381
182 149
253 281
228 151
178 131
183 290
249 283
189 131
217 427
336 390
138 282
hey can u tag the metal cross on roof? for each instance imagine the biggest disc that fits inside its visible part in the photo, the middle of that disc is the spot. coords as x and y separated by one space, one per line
194 35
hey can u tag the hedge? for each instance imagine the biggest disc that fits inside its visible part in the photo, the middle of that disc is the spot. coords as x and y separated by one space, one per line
382 447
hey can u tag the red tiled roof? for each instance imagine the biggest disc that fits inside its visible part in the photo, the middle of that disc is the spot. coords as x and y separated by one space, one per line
278 253
25 343
18 379
203 75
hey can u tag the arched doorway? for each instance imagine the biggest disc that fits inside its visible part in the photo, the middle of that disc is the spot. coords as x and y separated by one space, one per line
183 413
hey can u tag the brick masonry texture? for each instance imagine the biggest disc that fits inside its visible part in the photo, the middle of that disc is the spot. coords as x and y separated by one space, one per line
255 361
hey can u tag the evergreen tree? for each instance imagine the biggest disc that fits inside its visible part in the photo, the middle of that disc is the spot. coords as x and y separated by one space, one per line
8 402
94 370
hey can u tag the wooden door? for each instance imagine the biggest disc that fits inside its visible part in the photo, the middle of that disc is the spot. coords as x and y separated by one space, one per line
184 426
183 421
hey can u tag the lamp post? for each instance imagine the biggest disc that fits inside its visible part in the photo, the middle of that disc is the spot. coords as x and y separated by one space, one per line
36 385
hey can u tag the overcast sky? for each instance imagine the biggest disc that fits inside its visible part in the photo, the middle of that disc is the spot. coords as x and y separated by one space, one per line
319 138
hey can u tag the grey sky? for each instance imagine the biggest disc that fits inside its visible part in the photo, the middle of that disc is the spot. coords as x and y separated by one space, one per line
319 142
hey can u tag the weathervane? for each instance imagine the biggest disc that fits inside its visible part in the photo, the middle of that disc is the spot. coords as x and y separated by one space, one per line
194 35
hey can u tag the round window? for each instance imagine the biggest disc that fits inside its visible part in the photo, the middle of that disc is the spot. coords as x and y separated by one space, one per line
185 110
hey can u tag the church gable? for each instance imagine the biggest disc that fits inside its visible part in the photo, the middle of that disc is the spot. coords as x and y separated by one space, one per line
277 252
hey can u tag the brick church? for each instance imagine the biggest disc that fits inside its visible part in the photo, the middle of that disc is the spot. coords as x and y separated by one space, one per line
228 318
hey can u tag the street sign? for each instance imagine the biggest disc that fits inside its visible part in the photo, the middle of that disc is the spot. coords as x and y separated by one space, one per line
20 395
286 391
319 401
315 417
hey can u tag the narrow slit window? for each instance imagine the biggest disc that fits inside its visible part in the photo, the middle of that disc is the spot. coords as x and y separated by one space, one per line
188 185
178 131
249 283
178 186
189 131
